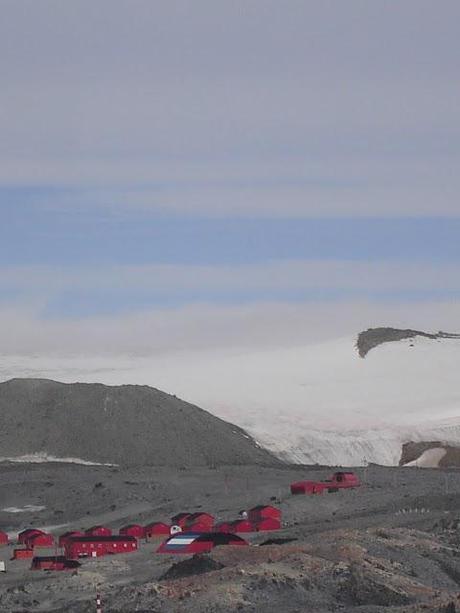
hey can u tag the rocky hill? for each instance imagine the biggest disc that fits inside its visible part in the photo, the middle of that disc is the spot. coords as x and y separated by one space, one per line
373 337
125 425
430 454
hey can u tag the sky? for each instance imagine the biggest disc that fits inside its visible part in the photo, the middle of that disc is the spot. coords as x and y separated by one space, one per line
187 175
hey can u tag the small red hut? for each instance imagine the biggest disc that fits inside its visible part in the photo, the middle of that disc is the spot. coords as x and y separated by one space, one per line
225 526
23 554
133 530
98 531
263 512
3 538
67 535
242 525
25 534
40 540
267 524
199 522
156 528
180 519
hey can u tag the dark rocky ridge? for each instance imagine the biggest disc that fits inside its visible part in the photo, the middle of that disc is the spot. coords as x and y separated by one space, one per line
371 338
127 425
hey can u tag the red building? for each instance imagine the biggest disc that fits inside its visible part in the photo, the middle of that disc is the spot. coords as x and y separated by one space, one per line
98 531
3 538
188 542
25 534
199 522
67 535
22 554
339 481
180 519
133 530
263 512
225 526
95 546
268 524
39 540
242 525
157 528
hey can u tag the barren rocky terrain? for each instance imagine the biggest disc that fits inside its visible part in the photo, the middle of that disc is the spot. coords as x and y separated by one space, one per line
124 425
390 546
373 337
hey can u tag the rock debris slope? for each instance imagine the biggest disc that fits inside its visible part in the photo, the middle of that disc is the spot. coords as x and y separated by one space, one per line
125 425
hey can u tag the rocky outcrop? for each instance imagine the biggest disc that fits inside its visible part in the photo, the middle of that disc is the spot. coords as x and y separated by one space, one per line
126 425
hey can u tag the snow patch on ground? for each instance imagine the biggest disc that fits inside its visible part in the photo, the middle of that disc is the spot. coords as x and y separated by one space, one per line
39 458
429 458
28 508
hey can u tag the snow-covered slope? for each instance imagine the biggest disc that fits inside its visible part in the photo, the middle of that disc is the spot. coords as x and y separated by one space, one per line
316 403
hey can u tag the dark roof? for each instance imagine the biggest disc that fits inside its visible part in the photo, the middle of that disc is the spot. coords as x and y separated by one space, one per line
104 539
219 538
57 559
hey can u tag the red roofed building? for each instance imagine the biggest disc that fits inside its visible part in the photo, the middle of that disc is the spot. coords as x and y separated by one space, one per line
180 519
98 531
199 522
3 538
65 537
40 540
264 512
267 524
22 554
95 546
225 526
25 534
192 542
242 525
133 530
156 528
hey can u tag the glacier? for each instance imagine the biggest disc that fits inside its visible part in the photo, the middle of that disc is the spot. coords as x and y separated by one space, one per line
316 403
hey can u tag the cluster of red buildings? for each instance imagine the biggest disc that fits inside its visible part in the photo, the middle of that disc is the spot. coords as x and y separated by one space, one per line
32 538
199 533
187 532
258 519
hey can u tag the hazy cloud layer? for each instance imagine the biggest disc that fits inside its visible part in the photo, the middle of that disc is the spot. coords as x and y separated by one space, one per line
128 126
205 327
243 108
280 276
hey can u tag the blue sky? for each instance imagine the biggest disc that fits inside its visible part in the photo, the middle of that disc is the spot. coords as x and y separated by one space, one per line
238 159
